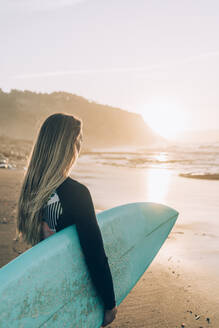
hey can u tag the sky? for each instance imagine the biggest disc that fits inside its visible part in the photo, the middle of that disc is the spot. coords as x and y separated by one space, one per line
156 58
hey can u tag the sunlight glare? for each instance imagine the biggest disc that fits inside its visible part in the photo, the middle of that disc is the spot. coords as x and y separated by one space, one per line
157 182
165 119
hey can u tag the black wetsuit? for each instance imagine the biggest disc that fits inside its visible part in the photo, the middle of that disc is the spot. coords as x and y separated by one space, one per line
71 203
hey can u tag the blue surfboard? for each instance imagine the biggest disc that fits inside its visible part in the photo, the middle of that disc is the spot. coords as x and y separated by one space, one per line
49 285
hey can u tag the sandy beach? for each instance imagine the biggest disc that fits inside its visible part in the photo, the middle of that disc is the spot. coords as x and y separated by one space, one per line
181 286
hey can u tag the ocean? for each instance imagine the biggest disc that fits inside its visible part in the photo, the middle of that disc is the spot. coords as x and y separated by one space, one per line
187 160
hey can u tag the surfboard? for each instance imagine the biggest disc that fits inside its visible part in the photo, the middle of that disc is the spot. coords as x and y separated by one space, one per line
49 285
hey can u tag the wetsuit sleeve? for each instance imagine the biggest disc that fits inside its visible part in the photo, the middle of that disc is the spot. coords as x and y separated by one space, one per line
92 245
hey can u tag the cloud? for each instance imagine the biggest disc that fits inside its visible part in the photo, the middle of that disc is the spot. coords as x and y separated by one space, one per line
87 71
151 68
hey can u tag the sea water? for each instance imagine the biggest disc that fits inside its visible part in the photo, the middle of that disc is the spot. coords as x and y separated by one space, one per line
190 160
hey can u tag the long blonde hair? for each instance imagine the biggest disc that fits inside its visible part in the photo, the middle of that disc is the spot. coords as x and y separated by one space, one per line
55 151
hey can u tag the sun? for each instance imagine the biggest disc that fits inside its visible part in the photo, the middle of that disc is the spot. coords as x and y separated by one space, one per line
168 120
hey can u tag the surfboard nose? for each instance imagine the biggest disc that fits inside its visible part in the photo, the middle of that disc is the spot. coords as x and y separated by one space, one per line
157 214
135 221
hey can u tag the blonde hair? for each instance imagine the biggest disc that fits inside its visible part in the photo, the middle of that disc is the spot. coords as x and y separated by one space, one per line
55 151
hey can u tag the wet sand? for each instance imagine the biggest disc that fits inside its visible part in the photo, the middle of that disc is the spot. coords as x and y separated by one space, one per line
177 289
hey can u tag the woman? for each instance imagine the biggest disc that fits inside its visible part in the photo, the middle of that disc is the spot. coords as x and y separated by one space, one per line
50 201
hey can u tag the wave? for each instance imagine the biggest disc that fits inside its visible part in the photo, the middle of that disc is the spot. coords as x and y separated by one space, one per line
204 176
184 163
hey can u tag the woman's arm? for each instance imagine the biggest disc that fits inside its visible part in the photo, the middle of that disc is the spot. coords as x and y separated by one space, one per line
92 244
79 209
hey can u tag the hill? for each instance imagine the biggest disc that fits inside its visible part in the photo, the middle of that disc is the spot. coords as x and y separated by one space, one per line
22 113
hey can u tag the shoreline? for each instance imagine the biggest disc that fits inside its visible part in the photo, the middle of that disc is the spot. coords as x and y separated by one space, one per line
167 295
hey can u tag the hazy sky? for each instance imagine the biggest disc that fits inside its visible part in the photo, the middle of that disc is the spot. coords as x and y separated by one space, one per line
158 58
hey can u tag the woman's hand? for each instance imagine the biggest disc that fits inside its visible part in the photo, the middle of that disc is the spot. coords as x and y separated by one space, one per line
46 230
109 316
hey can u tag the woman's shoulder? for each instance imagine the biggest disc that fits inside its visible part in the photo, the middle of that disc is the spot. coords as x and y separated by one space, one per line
70 184
73 194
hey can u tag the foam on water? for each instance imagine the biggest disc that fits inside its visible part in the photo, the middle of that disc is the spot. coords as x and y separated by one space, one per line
192 161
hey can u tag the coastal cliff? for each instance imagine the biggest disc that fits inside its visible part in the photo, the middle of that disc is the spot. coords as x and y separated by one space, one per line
22 113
